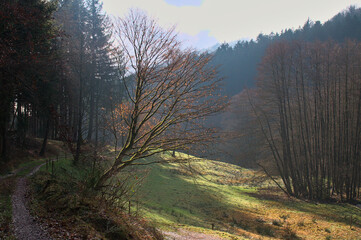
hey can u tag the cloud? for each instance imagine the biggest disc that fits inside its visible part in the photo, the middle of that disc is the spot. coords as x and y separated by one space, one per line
182 3
231 20
200 41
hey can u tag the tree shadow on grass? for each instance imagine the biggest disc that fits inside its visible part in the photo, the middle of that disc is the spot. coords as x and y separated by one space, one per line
342 213
180 200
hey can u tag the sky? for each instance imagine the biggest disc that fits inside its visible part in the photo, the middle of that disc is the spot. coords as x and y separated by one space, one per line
204 23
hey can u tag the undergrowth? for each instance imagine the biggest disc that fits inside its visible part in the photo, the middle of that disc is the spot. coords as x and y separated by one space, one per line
6 190
27 156
64 198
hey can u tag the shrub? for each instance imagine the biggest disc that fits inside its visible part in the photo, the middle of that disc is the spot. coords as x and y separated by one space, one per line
70 194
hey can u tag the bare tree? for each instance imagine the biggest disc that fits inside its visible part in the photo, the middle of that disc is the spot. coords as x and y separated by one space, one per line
171 91
310 116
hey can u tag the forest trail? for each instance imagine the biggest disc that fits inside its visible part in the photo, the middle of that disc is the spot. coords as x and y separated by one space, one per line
25 226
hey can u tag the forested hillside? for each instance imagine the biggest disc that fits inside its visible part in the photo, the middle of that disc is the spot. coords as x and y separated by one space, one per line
238 64
300 117
58 77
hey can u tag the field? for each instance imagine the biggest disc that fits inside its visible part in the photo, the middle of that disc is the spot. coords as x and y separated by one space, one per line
238 203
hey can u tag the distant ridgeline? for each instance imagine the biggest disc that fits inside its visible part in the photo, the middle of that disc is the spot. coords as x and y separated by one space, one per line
238 64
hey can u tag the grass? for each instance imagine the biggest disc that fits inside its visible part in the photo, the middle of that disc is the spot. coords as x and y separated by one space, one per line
6 189
239 202
24 158
21 163
64 165
63 197
7 186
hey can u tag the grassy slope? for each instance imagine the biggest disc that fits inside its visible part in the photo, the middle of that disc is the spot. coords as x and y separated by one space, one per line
63 198
225 195
237 201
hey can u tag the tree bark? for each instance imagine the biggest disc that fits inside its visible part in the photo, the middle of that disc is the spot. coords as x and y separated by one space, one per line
45 140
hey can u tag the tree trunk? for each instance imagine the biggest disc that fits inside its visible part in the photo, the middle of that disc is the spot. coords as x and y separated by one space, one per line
79 137
4 116
3 141
80 103
45 140
91 113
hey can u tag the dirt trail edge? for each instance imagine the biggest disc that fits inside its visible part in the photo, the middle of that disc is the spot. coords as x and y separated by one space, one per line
25 226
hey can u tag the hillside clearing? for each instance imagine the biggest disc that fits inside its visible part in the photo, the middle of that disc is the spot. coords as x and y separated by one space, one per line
237 202
186 200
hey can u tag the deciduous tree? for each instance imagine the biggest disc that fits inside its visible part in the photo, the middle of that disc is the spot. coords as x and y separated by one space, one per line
311 116
170 91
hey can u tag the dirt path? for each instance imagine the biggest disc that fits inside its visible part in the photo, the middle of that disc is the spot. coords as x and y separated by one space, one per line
183 234
25 226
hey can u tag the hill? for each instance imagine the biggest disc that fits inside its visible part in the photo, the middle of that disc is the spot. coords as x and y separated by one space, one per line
195 199
238 62
239 203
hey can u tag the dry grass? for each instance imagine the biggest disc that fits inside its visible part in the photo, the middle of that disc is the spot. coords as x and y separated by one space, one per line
241 202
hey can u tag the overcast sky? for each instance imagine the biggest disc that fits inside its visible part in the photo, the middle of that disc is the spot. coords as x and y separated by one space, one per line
203 23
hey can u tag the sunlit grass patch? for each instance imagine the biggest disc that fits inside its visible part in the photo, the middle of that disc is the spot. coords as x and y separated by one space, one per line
204 194
236 200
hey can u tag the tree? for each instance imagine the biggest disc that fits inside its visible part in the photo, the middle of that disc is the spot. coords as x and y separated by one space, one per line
170 91
102 67
27 51
243 143
310 116
87 86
